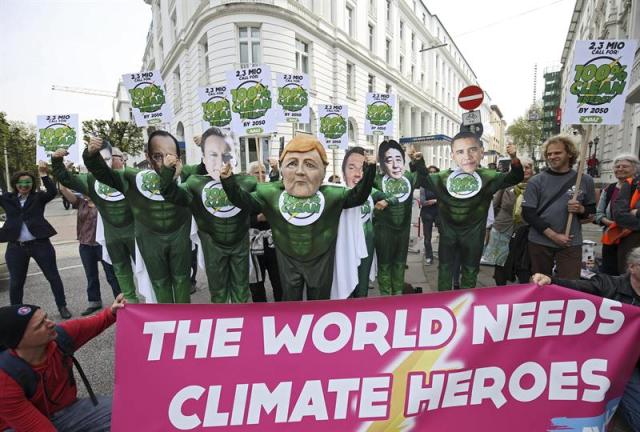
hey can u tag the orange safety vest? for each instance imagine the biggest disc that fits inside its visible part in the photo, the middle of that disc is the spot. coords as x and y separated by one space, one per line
614 233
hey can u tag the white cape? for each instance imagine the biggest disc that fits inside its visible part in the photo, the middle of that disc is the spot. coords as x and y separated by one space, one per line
351 247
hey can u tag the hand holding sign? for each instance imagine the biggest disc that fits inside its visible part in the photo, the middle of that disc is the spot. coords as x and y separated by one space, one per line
227 171
95 145
60 153
511 151
43 168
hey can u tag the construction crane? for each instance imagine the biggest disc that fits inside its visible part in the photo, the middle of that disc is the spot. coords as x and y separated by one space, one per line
82 90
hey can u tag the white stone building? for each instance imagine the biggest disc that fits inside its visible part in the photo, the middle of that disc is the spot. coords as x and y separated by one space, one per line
348 47
608 19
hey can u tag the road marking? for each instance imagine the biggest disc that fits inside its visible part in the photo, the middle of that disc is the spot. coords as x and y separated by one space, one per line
39 273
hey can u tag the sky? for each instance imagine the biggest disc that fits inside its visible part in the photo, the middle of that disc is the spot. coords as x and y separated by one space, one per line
91 43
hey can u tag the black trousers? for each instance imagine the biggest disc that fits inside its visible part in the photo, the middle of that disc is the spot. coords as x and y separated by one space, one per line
268 263
17 258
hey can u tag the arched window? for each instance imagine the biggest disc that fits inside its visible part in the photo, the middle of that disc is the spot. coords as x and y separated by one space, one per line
353 132
181 143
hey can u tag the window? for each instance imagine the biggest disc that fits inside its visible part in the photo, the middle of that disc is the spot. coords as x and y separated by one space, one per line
161 48
422 79
351 80
387 51
249 38
388 10
387 88
371 37
174 25
401 30
349 23
413 41
401 63
372 8
203 55
413 73
177 88
371 80
302 56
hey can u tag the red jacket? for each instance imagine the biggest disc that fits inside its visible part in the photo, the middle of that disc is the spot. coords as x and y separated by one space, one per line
21 414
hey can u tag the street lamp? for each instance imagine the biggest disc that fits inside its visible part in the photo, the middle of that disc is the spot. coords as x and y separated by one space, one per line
433 47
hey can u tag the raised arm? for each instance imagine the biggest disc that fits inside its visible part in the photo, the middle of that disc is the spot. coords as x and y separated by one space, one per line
239 197
51 190
98 167
360 193
170 190
515 174
77 182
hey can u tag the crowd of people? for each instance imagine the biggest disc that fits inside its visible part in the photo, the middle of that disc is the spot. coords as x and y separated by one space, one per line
314 239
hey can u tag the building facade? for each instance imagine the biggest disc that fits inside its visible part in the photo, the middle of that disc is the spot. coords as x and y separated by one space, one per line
348 48
607 19
551 103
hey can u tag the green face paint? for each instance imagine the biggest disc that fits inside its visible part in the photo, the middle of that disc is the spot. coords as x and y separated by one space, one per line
24 183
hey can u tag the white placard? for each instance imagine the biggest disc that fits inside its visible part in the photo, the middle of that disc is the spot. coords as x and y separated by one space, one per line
148 98
379 118
598 81
293 97
216 107
58 131
333 126
252 108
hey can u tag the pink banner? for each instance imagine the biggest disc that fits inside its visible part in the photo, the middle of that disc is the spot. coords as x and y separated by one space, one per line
510 359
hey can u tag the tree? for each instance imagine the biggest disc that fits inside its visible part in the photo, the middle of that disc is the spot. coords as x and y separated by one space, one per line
18 139
527 133
124 135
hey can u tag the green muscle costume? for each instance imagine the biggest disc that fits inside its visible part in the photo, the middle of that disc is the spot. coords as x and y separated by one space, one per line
391 227
161 228
223 230
362 290
463 220
117 219
304 229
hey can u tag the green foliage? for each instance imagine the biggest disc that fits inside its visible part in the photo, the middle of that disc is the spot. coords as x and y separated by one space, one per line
379 114
19 140
525 133
333 126
124 135
251 102
292 98
217 113
147 99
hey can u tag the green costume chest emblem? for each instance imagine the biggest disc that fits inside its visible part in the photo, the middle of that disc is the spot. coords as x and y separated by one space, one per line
301 211
400 188
148 184
463 185
365 210
107 193
216 202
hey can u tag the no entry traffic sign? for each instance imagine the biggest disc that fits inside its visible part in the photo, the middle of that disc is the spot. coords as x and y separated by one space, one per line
470 97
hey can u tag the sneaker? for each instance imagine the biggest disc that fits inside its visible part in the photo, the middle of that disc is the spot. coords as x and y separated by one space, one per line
64 312
428 261
90 310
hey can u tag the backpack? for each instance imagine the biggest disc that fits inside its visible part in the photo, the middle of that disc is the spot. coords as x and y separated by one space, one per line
27 378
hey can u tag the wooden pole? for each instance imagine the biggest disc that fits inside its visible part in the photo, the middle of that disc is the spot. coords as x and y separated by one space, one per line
583 158
258 149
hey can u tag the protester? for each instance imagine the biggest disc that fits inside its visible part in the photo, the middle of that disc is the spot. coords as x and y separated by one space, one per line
352 169
464 197
30 336
161 228
115 212
303 214
90 251
428 216
28 232
263 253
223 229
548 201
625 289
504 204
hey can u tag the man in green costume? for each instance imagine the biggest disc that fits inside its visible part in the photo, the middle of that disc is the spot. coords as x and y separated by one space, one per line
303 215
223 228
114 210
464 196
392 226
352 170
161 228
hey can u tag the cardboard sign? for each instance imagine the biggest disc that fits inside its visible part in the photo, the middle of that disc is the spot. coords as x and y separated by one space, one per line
252 107
58 131
148 98
333 126
379 118
293 97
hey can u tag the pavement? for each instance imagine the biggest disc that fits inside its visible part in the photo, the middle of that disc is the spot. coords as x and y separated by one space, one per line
97 357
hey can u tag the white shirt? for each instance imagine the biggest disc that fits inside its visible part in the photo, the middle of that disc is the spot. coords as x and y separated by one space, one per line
25 234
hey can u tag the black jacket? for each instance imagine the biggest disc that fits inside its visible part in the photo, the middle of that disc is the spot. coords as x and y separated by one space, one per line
612 287
32 214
